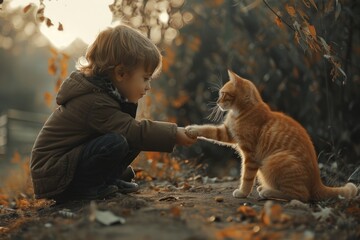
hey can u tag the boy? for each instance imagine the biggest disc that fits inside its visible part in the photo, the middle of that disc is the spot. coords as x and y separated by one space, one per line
86 146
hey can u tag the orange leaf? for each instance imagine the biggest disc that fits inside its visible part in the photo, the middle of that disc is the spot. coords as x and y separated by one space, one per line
48 22
4 199
247 211
181 100
272 213
175 211
218 2
52 66
48 98
297 37
23 203
153 155
16 157
278 21
58 84
195 44
64 65
27 8
291 10
168 59
175 165
60 27
312 30
53 51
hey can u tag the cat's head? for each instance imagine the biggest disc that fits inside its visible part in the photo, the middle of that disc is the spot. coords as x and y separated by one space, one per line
237 94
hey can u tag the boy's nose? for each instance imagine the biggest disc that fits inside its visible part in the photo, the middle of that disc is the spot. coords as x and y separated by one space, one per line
148 86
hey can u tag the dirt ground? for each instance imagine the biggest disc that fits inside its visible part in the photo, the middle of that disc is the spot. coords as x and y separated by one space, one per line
200 208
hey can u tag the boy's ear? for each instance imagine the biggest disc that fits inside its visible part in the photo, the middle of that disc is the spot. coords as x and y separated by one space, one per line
119 72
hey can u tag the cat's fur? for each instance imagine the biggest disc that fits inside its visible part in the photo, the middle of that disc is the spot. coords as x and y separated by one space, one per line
273 147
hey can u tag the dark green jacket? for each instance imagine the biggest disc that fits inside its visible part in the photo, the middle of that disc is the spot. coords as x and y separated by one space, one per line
85 112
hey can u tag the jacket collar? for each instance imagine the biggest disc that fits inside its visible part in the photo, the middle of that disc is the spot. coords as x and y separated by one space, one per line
106 84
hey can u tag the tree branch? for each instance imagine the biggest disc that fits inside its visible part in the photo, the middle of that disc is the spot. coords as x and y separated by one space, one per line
291 27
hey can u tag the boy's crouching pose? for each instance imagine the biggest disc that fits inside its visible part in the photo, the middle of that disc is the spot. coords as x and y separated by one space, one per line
86 146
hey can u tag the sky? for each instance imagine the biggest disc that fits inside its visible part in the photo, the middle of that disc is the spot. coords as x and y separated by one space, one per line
82 19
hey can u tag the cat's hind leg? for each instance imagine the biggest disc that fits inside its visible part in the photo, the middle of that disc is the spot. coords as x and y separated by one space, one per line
268 193
285 177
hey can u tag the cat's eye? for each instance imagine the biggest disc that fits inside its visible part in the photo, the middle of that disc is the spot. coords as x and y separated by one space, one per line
225 95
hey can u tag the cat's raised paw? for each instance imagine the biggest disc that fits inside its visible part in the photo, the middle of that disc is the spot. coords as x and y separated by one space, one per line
239 194
191 131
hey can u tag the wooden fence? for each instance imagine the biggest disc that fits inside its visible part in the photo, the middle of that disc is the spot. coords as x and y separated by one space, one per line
18 131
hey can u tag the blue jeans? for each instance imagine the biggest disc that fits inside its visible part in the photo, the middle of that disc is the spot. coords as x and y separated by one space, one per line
102 160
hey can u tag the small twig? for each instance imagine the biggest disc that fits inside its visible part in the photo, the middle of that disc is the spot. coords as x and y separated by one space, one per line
291 27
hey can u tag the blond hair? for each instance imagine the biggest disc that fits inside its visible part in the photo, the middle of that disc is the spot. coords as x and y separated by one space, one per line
120 45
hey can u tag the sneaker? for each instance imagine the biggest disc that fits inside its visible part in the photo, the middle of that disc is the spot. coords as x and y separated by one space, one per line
126 187
128 174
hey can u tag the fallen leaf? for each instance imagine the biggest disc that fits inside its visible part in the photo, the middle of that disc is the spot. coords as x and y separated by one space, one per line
219 198
324 214
108 218
247 211
48 98
214 219
16 157
273 213
175 211
278 21
312 30
48 22
4 229
67 213
355 211
291 10
52 66
60 27
169 198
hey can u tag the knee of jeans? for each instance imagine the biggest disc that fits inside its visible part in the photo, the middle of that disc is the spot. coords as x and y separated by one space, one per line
119 141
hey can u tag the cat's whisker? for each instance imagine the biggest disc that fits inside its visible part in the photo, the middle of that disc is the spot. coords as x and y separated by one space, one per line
215 86
211 104
216 114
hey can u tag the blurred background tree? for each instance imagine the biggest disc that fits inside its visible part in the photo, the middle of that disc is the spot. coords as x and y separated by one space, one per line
302 55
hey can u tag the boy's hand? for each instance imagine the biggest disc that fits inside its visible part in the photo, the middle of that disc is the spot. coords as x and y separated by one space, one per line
183 139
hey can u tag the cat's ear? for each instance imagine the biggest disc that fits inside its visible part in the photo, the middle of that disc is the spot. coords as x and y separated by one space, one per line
234 77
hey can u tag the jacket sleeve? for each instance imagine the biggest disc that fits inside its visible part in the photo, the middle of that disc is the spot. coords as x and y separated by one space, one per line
144 135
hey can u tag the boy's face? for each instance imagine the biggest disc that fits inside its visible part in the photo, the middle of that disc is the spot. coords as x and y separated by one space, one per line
134 85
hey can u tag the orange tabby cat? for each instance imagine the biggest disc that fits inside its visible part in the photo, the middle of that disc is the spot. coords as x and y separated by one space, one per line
273 147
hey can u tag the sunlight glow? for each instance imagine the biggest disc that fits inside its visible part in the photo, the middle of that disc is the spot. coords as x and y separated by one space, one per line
164 17
82 19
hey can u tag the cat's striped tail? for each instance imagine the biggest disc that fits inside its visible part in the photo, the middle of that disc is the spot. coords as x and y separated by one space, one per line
322 192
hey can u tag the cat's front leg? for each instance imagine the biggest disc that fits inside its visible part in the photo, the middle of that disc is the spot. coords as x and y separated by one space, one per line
248 173
217 133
